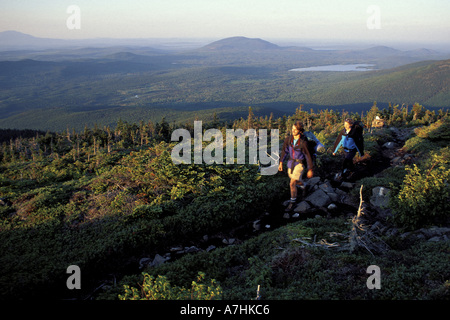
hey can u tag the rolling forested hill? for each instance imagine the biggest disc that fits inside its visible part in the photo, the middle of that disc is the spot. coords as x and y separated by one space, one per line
103 193
72 88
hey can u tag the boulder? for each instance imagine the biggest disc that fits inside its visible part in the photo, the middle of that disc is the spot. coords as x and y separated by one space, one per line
158 260
380 197
326 187
333 196
144 262
433 234
319 198
313 181
302 207
435 231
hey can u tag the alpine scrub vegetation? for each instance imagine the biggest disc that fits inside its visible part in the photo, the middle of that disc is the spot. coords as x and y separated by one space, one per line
424 196
161 289
102 197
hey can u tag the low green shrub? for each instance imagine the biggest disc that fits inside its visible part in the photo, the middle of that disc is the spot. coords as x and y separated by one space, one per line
424 196
159 288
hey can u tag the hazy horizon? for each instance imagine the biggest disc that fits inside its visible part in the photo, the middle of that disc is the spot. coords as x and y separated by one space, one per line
280 21
196 42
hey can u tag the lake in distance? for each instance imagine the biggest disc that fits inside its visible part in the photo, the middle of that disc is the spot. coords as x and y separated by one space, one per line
338 68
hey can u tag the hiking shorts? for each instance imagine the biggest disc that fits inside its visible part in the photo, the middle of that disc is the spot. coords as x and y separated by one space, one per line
297 172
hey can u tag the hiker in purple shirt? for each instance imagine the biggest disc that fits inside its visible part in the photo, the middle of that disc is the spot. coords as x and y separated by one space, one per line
295 150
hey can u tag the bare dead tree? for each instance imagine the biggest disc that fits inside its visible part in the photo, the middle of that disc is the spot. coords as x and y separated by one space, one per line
361 235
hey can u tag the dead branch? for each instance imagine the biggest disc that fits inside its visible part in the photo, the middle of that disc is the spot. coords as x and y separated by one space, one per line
361 235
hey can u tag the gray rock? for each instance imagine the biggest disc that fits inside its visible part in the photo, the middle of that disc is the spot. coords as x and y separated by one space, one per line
348 185
257 225
389 145
144 262
302 207
396 160
228 241
333 196
332 206
158 260
435 231
313 181
326 187
319 198
191 249
380 197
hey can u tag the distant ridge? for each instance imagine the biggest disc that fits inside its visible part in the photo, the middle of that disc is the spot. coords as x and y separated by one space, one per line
240 44
382 50
17 40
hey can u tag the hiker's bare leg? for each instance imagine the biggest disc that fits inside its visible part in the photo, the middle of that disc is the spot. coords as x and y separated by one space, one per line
293 187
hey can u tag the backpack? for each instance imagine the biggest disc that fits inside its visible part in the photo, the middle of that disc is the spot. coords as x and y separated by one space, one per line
358 137
311 142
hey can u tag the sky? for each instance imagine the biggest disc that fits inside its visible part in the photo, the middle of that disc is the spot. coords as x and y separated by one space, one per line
351 20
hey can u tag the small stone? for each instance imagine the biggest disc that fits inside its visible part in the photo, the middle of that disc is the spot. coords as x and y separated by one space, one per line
257 225
348 185
332 206
389 145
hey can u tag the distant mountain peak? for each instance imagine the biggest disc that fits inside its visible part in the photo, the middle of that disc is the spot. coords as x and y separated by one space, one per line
382 49
240 44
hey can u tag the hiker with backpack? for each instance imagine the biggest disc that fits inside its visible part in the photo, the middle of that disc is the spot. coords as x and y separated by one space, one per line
352 140
295 149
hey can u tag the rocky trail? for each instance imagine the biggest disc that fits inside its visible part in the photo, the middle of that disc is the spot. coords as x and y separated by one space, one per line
323 197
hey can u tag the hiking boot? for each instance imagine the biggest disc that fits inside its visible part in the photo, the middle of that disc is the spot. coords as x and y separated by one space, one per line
338 177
